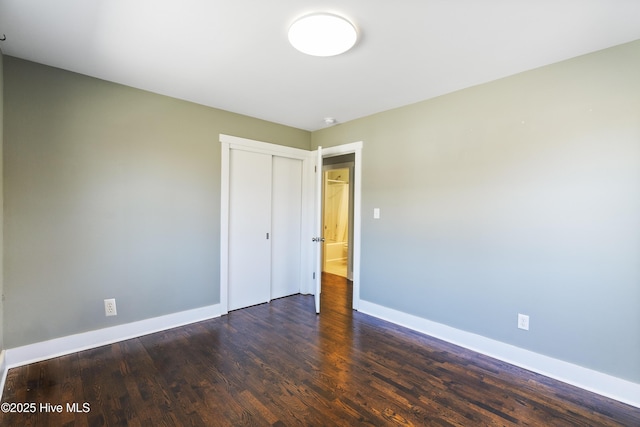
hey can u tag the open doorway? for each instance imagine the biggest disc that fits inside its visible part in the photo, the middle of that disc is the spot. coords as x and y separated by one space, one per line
338 157
337 229
337 216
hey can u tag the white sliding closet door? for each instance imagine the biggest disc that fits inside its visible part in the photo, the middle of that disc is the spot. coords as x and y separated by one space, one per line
265 220
249 222
286 223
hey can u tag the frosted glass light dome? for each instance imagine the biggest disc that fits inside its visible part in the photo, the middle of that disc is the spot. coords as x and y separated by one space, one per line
322 34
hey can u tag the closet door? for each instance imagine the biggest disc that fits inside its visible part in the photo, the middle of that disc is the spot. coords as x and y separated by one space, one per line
286 225
250 177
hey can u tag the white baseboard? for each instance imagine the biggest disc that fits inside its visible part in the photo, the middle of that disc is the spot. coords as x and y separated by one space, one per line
594 381
32 353
588 379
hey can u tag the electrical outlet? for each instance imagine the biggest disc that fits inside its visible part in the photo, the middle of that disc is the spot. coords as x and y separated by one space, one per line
110 307
523 321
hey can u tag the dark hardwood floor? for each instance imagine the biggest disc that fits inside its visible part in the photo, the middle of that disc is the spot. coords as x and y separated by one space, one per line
279 364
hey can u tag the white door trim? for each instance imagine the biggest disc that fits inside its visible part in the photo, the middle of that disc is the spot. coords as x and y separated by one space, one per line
228 143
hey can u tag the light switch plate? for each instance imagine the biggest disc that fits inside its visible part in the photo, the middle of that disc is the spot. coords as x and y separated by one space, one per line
376 213
523 321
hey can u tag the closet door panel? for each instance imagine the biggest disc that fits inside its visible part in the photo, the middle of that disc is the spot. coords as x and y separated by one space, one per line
286 227
249 222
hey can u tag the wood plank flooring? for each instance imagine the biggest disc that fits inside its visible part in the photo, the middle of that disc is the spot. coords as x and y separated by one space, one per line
279 364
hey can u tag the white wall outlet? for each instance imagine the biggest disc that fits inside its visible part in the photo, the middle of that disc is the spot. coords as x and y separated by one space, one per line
523 321
110 307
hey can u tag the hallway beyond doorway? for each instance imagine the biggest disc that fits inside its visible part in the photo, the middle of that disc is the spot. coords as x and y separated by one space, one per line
337 267
337 215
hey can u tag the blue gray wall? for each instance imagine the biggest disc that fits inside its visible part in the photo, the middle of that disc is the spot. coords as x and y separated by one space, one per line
517 196
110 192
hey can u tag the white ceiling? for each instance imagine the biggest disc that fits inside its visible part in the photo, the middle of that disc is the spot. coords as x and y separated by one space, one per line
234 54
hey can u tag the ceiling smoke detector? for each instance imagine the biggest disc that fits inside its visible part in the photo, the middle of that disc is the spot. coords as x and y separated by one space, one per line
322 34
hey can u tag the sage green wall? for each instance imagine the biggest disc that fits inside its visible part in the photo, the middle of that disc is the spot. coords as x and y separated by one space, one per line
517 196
110 192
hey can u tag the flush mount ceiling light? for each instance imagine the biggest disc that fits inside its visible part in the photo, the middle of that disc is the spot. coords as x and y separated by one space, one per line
322 34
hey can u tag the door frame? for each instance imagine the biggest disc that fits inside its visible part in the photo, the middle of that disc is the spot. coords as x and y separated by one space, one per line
229 143
356 149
